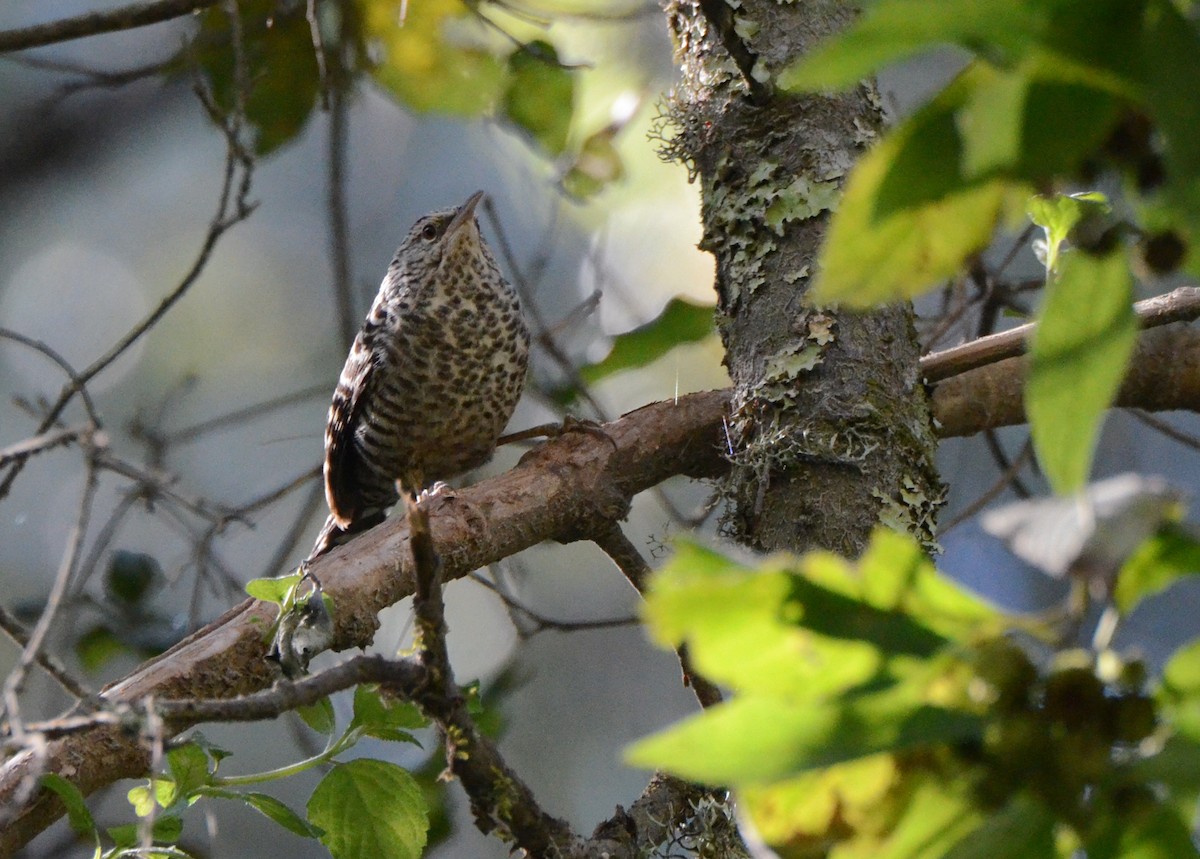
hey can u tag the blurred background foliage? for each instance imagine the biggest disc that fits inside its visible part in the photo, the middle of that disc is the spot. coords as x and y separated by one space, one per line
110 169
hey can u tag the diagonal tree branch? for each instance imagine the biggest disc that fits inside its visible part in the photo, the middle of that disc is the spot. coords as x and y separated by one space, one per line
571 488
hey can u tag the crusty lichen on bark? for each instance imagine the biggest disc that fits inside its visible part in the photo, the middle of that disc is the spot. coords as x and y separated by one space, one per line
830 427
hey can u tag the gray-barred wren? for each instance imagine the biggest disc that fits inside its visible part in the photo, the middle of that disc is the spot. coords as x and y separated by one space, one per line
432 377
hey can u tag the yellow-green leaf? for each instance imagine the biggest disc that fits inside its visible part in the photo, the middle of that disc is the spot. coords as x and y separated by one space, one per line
1080 350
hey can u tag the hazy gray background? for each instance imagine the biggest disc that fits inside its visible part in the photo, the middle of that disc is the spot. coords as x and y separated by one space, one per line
104 199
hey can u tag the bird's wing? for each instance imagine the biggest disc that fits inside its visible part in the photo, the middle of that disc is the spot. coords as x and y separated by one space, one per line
341 454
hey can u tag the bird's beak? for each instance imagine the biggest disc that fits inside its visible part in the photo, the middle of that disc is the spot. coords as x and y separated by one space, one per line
465 213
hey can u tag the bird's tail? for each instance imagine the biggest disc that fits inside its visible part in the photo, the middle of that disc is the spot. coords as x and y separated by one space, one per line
332 534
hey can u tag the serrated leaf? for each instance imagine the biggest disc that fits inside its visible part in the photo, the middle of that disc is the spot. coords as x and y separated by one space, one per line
370 808
755 739
745 626
1079 353
189 768
681 321
433 55
1162 560
78 814
539 96
319 716
273 590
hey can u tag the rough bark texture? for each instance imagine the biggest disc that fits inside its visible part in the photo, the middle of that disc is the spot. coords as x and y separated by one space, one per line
830 429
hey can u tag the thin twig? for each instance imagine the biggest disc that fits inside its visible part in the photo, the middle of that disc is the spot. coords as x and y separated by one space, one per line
1165 428
46 441
993 491
613 542
46 660
543 623
15 680
1179 305
94 23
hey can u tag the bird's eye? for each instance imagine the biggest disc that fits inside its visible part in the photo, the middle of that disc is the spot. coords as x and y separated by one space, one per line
429 232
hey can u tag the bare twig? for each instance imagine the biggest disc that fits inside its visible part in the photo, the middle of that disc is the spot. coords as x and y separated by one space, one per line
339 236
992 491
1165 428
31 446
242 415
94 23
233 206
1179 305
15 680
540 621
46 660
500 800
629 560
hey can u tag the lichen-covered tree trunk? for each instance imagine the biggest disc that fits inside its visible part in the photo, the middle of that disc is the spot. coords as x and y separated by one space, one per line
830 430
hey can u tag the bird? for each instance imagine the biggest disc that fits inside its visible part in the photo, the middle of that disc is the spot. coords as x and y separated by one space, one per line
432 378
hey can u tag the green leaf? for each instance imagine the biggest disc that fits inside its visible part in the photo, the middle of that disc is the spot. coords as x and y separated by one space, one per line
1086 332
166 830
818 806
597 165
189 767
1157 832
281 66
755 739
270 807
540 95
319 716
909 216
744 626
1166 557
1179 695
273 590
1027 126
78 814
385 717
98 646
370 808
433 55
1058 215
1023 829
894 29
1176 766
680 322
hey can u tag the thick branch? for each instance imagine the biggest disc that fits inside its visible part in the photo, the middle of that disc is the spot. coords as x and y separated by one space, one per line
570 487
1164 374
95 23
566 488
